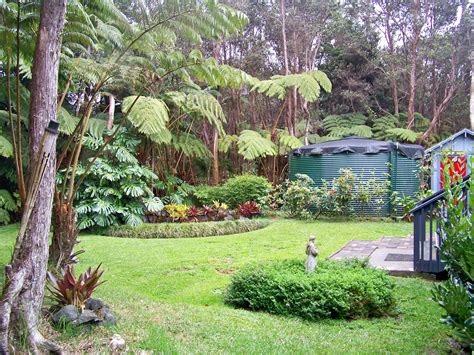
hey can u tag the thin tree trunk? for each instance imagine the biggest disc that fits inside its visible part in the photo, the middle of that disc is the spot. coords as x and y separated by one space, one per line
23 294
215 160
289 116
111 113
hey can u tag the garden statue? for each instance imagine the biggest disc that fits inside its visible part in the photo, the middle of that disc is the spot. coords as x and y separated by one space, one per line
311 253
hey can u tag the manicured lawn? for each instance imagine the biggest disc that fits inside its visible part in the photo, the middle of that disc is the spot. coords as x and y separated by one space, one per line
168 295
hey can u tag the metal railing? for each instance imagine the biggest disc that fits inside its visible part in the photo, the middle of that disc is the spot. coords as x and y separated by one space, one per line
427 233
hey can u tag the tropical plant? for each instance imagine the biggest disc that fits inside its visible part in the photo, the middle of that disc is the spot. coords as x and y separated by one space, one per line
298 196
117 188
249 209
177 212
72 290
456 296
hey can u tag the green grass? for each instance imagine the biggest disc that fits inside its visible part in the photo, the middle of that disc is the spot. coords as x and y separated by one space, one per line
168 295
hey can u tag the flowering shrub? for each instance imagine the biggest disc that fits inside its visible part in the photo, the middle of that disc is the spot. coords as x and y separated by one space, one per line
331 198
249 209
298 196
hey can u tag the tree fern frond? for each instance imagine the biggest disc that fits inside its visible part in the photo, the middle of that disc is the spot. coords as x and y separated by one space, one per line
403 134
252 145
226 141
149 115
6 148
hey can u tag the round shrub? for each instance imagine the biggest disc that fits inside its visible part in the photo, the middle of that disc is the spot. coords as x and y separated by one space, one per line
336 290
243 188
235 191
187 230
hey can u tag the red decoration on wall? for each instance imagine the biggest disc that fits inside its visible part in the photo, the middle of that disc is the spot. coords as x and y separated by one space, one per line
457 167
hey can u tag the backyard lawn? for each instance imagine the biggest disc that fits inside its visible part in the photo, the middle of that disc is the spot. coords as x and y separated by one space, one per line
168 295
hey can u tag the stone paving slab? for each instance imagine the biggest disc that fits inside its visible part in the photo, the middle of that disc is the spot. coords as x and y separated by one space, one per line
378 250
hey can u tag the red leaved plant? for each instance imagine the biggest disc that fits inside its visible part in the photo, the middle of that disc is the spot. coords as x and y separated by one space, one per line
249 209
72 290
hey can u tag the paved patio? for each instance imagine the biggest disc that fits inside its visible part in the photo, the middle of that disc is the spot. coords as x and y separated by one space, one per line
394 254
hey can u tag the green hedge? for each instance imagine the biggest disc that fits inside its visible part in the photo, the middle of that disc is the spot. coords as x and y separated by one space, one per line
336 290
187 230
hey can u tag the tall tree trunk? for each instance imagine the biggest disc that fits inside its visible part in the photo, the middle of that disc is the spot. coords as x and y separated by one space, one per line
23 293
289 116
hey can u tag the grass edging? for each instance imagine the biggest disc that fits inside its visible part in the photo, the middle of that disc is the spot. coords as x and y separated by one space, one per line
186 230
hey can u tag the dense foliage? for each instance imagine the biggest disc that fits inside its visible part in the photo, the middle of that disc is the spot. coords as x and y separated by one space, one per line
336 290
8 205
235 191
342 196
456 296
187 230
117 188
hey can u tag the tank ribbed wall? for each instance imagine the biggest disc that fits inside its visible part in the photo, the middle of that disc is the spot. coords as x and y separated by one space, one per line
397 169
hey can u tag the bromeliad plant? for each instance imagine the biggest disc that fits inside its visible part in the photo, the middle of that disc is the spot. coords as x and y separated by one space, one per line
249 209
72 290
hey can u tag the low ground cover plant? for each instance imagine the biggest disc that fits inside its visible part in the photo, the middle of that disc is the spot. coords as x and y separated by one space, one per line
187 230
336 290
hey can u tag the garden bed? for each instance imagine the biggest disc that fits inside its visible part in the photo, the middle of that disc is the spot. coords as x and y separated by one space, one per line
345 290
187 230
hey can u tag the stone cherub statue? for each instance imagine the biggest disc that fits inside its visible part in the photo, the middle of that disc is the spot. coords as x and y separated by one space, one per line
311 254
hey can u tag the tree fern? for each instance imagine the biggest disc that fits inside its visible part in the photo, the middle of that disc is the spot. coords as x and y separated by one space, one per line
288 142
253 145
149 115
190 145
403 134
226 141
308 84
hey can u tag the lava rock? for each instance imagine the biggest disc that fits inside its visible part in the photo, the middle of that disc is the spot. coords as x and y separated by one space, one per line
67 313
94 304
88 316
108 317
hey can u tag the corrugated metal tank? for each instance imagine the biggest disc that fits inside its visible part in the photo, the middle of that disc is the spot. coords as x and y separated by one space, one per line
399 170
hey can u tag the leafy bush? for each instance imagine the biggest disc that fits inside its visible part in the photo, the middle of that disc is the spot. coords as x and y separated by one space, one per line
116 190
249 209
173 190
298 196
456 296
72 290
336 290
235 191
371 193
187 230
206 195
243 188
8 205
337 197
